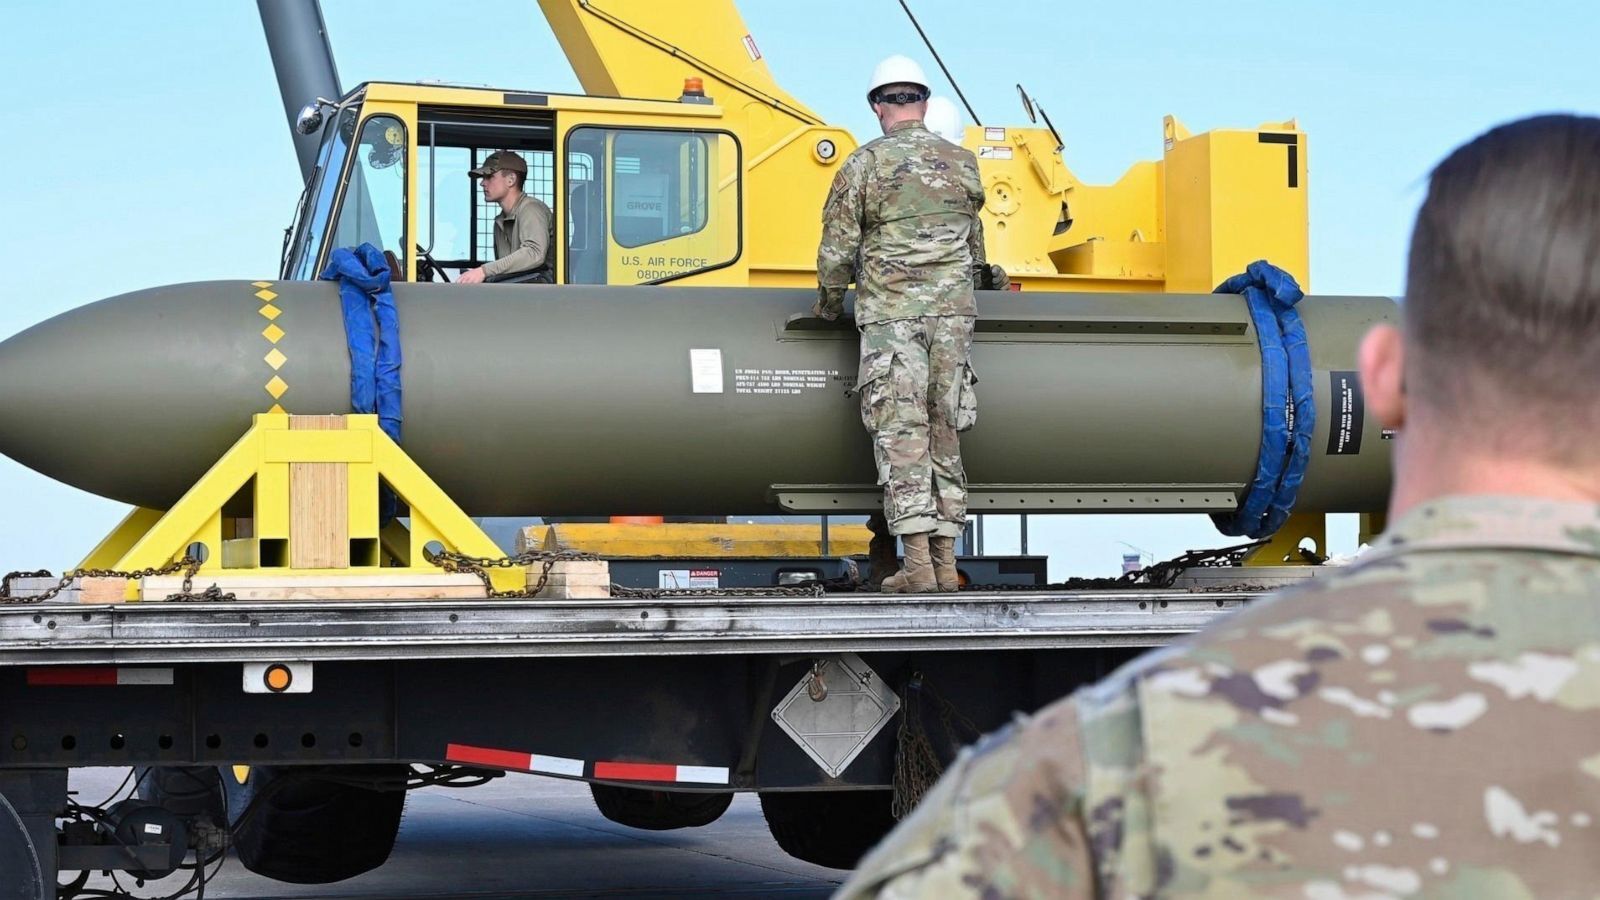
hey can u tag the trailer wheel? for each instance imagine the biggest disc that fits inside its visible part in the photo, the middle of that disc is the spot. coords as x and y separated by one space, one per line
299 827
185 791
828 828
19 860
658 810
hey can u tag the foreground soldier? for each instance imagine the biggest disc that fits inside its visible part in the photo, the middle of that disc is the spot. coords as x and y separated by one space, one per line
900 221
1424 724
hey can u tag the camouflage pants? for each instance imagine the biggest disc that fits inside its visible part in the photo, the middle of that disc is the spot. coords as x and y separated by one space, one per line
912 375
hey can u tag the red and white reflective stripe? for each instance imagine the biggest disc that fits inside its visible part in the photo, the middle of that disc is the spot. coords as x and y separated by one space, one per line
621 771
96 676
577 768
509 759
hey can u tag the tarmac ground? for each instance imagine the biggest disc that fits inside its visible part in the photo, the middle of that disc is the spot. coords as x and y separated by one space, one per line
530 836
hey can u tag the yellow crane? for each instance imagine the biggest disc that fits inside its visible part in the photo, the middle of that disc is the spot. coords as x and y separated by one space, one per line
685 162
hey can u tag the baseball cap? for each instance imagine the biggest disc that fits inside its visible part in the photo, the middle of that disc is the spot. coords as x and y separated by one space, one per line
500 159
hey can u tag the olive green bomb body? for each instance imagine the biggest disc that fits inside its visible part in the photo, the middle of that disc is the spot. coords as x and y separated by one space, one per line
539 400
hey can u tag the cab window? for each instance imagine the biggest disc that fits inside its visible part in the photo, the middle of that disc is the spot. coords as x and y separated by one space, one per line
374 207
659 186
320 194
456 222
648 206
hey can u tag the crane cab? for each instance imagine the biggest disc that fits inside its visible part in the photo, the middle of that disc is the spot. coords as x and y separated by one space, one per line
688 191
640 191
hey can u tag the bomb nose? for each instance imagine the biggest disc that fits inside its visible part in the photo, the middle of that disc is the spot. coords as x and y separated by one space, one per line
49 392
20 402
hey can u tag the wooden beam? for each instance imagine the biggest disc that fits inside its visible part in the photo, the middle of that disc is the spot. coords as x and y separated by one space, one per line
319 505
262 588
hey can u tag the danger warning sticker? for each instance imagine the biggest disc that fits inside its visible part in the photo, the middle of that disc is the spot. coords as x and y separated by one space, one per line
689 579
1349 408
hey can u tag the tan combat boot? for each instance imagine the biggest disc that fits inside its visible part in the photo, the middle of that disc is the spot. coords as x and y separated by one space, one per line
882 559
916 577
882 555
943 551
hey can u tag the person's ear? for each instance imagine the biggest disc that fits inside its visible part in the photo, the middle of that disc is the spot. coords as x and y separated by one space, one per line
1382 363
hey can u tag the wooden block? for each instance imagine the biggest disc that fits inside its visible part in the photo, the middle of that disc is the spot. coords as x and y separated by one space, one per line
407 586
84 590
580 567
319 505
33 587
574 592
531 538
574 581
575 577
240 553
102 590
689 539
573 572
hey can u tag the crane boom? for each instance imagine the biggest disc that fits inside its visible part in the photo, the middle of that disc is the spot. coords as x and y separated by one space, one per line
645 48
297 39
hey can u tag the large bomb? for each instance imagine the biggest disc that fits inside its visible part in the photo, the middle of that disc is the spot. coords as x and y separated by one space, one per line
592 400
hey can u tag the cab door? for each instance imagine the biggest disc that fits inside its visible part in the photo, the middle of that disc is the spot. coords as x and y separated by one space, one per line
652 205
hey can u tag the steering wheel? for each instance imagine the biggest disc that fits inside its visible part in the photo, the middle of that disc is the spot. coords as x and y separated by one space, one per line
433 266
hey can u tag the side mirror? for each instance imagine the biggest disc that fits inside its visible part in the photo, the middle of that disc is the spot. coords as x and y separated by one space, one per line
1027 105
310 119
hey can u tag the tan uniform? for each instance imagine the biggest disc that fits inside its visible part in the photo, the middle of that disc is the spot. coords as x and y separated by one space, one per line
521 238
1425 724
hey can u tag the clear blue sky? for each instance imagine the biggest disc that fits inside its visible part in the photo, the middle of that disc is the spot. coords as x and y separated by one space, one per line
145 142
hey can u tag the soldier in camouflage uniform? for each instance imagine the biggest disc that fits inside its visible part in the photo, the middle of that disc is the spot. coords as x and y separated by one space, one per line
1424 724
900 221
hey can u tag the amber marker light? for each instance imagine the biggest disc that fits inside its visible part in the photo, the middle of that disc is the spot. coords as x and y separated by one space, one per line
277 678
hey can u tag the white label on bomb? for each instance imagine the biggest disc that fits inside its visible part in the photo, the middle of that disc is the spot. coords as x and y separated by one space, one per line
705 371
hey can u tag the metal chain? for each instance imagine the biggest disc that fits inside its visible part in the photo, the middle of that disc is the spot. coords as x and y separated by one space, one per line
451 561
1156 575
188 565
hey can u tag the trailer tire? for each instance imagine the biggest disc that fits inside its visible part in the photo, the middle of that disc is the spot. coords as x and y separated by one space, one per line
658 810
19 859
187 792
297 827
828 828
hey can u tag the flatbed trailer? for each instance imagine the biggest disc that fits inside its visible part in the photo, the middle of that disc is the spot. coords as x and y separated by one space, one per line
675 699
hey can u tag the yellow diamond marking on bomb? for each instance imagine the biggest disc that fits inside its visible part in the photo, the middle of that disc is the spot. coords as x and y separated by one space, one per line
276 387
272 333
277 408
276 359
270 311
262 284
266 295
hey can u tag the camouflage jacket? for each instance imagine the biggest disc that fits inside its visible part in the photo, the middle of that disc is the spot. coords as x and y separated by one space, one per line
1425 724
901 221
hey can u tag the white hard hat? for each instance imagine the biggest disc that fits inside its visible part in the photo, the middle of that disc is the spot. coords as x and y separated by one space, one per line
943 119
897 70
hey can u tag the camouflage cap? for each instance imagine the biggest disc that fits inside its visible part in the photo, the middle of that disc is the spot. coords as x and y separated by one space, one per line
500 159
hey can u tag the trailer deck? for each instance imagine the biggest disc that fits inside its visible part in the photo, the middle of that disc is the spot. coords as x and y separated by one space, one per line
186 632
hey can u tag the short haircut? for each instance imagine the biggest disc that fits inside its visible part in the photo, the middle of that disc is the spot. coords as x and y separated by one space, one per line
1502 306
